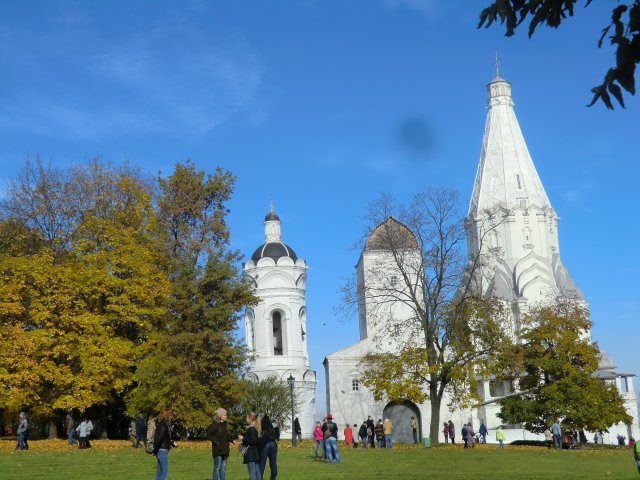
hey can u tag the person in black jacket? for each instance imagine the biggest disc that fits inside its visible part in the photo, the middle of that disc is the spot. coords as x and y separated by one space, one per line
363 434
268 448
141 431
297 430
330 433
371 431
217 433
162 443
250 440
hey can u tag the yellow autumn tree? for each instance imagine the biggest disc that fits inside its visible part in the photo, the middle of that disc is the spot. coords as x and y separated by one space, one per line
81 287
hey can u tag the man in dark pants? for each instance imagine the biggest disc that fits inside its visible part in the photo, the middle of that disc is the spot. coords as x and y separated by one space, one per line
452 432
363 434
141 431
268 448
371 431
297 430
413 423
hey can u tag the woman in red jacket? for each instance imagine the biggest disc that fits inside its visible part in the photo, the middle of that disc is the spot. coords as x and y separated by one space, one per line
348 436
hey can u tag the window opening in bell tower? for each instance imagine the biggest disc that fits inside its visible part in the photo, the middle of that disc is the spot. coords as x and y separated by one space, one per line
277 333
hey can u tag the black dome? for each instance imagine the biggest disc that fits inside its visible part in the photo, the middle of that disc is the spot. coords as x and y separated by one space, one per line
274 250
271 216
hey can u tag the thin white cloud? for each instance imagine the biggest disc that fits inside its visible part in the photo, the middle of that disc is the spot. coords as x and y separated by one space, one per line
170 79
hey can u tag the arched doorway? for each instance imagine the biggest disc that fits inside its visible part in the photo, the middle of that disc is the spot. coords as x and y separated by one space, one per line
400 414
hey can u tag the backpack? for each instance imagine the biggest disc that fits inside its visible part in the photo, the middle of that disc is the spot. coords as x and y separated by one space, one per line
151 433
327 432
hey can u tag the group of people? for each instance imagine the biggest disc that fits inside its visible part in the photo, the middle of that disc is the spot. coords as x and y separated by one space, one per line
469 437
258 444
370 433
325 436
83 430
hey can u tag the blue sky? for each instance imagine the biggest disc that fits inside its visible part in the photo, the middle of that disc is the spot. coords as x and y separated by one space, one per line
323 105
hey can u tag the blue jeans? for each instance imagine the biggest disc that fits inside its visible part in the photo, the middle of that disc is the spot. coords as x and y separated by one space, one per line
331 444
381 442
364 441
501 442
387 441
219 468
318 443
21 445
162 471
70 437
270 451
254 471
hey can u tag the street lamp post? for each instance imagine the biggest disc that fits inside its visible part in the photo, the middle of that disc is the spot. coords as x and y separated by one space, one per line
292 381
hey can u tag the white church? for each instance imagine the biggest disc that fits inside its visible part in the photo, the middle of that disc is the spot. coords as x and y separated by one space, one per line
276 337
527 270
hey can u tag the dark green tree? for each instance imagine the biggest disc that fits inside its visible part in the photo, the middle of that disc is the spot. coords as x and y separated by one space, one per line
269 395
623 32
195 364
555 364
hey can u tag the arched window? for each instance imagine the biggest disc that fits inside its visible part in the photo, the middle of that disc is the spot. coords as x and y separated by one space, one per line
250 326
277 333
493 239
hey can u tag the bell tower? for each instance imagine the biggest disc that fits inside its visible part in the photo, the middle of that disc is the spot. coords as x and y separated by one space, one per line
276 328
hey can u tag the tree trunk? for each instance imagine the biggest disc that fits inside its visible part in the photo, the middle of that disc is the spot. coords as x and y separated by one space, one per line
53 428
103 424
434 427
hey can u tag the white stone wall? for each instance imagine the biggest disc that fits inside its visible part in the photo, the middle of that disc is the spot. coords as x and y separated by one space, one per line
281 287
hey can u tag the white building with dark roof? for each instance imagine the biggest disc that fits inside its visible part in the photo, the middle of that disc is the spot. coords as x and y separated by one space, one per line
276 337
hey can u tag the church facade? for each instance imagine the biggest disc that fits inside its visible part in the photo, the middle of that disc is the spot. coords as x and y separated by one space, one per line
275 328
525 269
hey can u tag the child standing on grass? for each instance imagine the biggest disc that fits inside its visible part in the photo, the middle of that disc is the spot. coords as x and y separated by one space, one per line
500 436
318 441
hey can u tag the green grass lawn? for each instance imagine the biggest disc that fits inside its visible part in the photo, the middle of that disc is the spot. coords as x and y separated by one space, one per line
486 462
